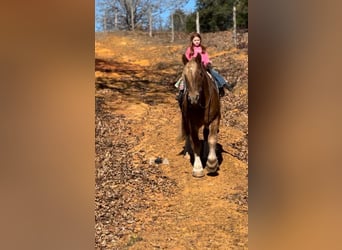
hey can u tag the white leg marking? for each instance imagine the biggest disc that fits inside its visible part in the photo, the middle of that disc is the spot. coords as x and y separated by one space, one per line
212 162
197 163
197 170
212 154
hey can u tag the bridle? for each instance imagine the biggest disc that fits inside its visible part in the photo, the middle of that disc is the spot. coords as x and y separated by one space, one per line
209 89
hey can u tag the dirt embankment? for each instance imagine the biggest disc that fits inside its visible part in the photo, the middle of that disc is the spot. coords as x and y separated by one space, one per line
140 204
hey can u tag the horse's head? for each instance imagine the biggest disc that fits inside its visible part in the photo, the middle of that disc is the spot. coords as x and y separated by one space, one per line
193 74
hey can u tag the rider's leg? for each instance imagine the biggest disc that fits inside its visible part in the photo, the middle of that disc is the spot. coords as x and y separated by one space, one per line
220 81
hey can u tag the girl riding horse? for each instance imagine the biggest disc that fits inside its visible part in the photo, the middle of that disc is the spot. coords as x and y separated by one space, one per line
195 48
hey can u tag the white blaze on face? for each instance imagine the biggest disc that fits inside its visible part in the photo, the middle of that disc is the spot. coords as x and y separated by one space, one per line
192 70
189 73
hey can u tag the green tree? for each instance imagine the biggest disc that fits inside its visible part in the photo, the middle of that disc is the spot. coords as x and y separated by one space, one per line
242 14
179 19
217 15
190 24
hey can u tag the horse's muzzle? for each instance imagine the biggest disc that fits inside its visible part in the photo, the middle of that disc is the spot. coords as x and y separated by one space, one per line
193 99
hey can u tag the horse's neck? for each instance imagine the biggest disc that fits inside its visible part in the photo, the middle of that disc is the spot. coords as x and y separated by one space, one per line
209 80
207 86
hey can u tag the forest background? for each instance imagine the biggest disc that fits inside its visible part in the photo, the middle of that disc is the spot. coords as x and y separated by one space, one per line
163 15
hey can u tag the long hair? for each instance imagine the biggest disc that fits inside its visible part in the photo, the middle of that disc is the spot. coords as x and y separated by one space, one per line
192 36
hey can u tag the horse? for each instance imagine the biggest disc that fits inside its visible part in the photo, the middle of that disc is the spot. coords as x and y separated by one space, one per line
200 107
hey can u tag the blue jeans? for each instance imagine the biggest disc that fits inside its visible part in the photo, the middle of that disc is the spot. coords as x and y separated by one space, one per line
219 80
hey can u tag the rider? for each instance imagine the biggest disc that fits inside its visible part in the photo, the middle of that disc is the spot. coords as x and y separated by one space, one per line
194 48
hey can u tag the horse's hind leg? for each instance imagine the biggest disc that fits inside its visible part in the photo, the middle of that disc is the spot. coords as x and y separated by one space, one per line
212 162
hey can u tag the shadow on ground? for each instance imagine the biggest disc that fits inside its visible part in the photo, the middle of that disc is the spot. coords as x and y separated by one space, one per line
204 153
138 84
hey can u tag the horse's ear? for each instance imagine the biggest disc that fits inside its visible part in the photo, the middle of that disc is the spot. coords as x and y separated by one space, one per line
199 58
184 59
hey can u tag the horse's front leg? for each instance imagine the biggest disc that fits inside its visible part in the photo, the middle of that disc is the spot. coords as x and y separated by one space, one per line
197 170
212 162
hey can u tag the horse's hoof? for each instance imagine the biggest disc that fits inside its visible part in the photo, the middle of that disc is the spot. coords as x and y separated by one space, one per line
211 166
211 170
198 174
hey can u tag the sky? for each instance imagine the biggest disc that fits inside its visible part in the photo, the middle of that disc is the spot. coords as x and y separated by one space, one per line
188 8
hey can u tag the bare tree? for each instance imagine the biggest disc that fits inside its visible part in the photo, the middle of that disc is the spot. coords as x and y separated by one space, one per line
172 7
154 7
129 8
108 14
150 21
159 7
177 22
132 14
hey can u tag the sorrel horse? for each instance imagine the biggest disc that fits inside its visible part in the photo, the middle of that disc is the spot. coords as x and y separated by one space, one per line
200 107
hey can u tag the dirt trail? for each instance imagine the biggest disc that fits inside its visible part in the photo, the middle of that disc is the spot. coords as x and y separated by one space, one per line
199 213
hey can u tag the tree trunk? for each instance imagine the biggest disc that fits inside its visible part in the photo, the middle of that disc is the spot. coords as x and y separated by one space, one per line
104 24
116 20
132 16
234 30
197 22
172 30
150 21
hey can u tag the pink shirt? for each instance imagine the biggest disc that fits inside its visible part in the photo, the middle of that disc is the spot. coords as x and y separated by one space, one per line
205 56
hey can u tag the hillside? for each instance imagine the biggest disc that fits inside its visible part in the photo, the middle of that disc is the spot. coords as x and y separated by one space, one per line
140 204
